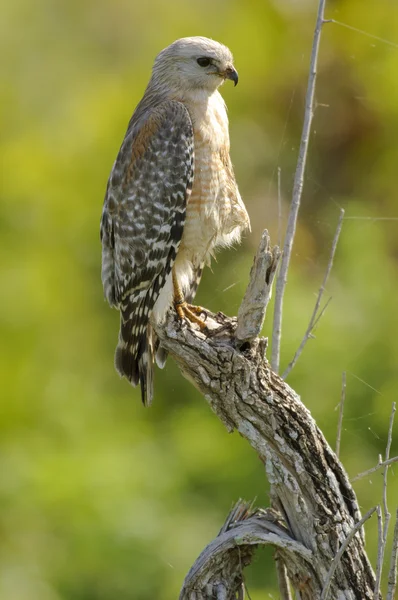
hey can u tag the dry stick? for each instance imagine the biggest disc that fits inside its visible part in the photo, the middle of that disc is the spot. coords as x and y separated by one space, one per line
315 317
279 209
251 312
297 191
392 575
380 465
388 448
380 552
387 515
340 553
322 312
341 412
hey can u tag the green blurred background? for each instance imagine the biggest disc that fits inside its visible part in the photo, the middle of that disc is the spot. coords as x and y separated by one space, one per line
100 498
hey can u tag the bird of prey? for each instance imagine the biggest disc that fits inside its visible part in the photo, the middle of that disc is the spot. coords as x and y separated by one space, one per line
171 200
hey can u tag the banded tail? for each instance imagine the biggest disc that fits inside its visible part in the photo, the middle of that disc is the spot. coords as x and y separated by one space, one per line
134 355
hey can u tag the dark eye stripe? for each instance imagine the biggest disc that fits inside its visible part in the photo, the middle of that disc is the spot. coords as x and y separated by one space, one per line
203 61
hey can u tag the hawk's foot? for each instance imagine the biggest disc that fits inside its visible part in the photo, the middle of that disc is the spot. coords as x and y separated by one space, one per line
185 310
190 312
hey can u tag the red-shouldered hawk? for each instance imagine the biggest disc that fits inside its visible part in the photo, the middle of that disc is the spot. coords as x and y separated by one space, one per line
171 199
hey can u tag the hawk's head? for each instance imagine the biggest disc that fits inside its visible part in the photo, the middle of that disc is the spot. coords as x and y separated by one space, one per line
195 63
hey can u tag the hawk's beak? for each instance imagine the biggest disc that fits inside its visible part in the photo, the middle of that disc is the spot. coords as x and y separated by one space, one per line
231 73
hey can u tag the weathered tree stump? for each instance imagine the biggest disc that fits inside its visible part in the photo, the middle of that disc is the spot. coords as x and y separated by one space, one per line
314 508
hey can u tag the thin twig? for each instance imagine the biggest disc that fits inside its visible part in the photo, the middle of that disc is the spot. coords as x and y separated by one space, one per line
383 530
380 465
320 315
315 316
380 552
340 553
283 580
279 242
387 456
392 575
297 190
341 412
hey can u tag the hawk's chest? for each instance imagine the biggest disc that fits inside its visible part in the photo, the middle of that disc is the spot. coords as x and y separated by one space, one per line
211 138
210 124
211 204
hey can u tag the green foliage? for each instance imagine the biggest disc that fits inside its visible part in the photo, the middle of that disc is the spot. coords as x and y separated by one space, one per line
99 497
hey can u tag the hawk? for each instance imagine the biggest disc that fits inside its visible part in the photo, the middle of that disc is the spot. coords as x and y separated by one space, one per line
171 200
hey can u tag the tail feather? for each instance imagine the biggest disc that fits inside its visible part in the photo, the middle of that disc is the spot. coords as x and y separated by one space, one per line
138 344
134 359
126 363
145 367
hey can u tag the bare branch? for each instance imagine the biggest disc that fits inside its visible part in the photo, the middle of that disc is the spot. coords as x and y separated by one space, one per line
279 238
392 575
387 516
380 552
297 189
336 560
315 316
387 456
341 412
380 465
321 313
217 573
254 304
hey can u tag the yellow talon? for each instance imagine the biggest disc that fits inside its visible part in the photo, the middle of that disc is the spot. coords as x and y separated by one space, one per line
185 310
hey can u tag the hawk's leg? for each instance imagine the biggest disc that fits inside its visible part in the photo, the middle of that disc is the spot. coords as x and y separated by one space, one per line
185 310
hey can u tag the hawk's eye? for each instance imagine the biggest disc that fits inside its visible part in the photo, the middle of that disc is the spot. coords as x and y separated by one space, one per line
203 61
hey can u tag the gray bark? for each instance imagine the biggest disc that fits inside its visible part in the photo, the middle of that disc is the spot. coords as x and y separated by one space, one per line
315 503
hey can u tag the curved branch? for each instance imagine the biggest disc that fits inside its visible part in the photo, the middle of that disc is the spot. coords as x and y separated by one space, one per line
217 573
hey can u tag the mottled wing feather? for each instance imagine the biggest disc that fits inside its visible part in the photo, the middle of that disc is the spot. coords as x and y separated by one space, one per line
143 221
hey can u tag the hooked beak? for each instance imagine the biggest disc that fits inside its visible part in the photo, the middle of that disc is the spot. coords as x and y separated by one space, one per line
232 74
